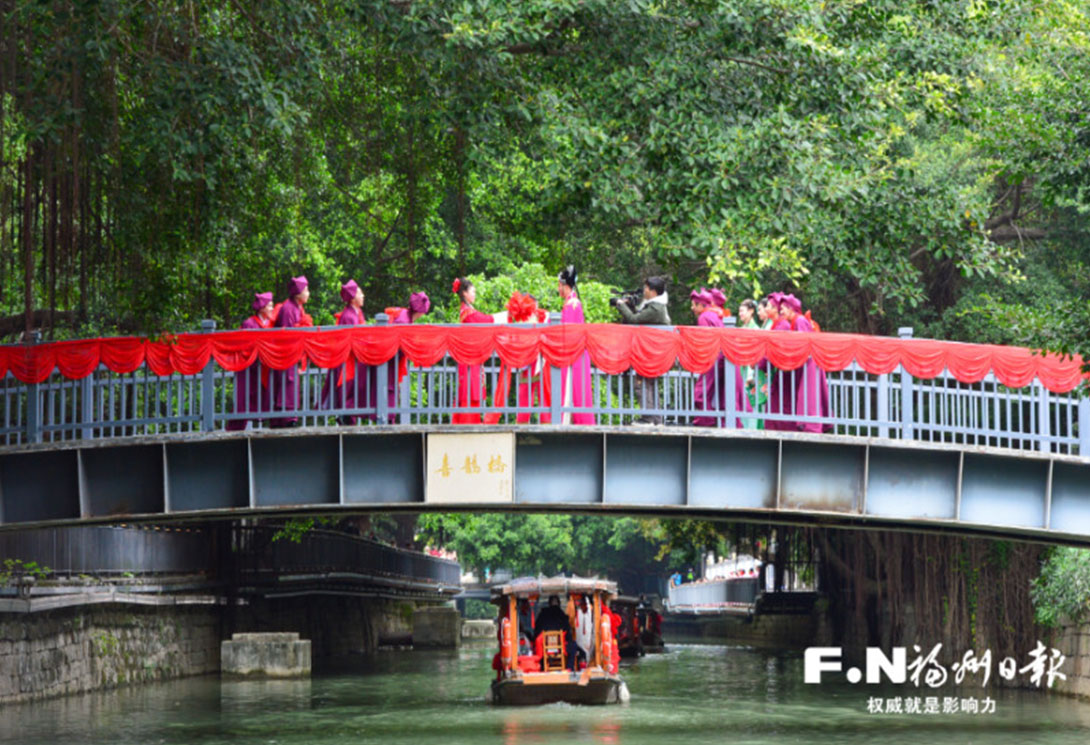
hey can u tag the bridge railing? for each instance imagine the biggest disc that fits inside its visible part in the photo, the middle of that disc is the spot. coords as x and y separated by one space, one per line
852 401
129 551
328 552
713 593
99 550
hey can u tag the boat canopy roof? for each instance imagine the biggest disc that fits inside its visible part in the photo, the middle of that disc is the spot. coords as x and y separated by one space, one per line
525 587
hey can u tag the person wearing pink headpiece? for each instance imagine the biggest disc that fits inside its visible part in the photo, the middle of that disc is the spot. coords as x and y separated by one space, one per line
781 389
354 385
710 390
283 383
419 306
719 302
250 394
811 389
576 391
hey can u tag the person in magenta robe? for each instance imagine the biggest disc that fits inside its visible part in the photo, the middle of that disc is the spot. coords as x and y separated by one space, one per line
354 386
284 384
781 388
576 390
250 393
470 377
419 306
719 302
811 394
710 383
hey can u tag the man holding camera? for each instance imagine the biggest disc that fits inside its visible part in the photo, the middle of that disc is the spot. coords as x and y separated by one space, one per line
651 312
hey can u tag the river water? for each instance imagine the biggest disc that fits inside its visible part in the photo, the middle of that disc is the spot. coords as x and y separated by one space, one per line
692 694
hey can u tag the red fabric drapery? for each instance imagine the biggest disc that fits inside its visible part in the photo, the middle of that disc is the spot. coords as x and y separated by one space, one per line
613 349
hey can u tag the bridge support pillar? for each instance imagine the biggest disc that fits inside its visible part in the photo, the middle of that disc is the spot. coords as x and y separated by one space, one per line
282 655
437 626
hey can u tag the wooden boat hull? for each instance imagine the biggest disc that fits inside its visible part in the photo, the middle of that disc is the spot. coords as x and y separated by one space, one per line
549 688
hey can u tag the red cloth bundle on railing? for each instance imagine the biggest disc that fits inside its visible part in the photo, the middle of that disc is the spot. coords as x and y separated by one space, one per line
613 349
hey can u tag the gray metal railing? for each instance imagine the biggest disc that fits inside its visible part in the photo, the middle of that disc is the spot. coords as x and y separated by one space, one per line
895 406
325 551
160 550
110 550
710 594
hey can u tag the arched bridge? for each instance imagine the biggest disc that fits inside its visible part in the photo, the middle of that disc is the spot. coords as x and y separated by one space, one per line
916 434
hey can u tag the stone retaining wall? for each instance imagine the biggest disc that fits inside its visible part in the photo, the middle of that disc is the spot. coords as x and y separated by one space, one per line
75 650
1074 643
94 647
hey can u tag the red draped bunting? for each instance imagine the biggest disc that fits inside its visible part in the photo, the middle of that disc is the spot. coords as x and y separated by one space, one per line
613 349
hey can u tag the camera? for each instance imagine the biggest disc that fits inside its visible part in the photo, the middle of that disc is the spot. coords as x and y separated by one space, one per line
631 298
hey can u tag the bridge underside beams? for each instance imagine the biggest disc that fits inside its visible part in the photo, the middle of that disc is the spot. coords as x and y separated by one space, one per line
788 479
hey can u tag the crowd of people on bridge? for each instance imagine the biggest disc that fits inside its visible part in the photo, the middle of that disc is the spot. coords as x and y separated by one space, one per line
763 396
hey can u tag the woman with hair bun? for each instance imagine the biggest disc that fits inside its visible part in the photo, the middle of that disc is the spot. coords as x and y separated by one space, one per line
575 380
470 377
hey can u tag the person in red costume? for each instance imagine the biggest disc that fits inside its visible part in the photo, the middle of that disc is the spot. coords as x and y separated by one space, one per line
533 383
284 384
251 395
470 377
613 664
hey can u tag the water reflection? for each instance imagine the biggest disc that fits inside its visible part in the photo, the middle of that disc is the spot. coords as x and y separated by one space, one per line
246 696
694 694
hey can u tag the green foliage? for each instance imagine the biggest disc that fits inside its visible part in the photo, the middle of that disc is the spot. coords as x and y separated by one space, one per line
620 548
1061 594
14 568
493 293
898 163
295 529
479 609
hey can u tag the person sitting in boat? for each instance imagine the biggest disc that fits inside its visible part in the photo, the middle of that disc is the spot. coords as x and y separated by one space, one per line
553 618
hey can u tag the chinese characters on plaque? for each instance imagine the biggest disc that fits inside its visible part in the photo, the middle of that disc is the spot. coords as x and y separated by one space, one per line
470 468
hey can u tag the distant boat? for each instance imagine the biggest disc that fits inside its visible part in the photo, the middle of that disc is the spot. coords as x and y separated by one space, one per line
641 627
544 673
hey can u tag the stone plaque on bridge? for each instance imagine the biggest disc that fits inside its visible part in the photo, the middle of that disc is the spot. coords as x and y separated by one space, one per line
470 468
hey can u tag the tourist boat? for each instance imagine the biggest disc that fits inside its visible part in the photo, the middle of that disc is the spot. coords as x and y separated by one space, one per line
650 624
640 632
629 643
541 672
